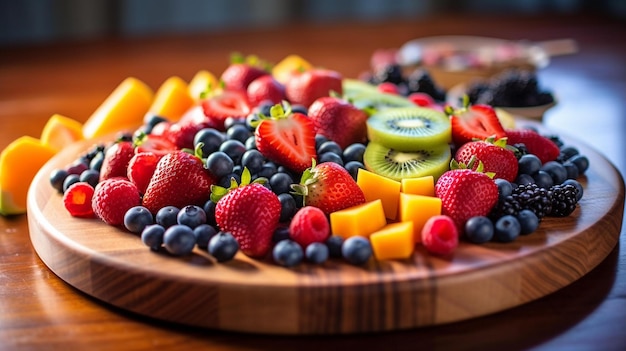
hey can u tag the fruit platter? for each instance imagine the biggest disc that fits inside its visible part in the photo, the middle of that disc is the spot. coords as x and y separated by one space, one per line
324 204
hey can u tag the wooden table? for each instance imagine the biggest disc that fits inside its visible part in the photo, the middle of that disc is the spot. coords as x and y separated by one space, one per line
40 311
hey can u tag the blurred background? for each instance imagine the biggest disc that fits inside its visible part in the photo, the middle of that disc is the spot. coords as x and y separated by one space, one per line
24 22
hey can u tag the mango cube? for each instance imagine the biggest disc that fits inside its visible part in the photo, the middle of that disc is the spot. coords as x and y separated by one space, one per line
172 99
418 209
202 82
419 186
376 187
394 241
360 220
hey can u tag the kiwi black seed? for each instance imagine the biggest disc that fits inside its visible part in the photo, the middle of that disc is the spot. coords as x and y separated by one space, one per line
409 128
396 164
375 101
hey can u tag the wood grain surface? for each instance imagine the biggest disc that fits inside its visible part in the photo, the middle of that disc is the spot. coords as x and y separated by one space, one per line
113 265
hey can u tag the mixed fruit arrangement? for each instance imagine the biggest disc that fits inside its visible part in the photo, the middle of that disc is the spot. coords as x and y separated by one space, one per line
295 163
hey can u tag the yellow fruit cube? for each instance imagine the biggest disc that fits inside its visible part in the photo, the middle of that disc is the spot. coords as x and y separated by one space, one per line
201 83
394 241
61 131
123 109
360 220
19 162
375 186
172 99
419 186
289 66
418 209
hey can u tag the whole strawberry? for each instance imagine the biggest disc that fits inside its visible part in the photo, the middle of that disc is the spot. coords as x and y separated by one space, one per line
339 120
250 212
308 86
329 187
265 88
545 149
179 179
494 155
112 198
241 72
116 160
465 193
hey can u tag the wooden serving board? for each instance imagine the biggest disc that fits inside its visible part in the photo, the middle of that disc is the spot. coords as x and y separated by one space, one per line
258 296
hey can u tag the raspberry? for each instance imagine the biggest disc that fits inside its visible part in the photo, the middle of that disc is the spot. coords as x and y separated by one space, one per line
309 225
112 198
77 199
439 235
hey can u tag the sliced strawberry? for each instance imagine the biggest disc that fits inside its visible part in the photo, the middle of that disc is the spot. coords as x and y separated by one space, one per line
141 167
475 122
226 104
156 144
287 138
535 143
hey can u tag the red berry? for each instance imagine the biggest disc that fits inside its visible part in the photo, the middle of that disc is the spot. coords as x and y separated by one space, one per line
309 225
140 169
422 99
116 160
389 88
265 88
77 199
440 235
112 198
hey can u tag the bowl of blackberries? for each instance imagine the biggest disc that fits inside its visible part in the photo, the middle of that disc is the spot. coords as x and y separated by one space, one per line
515 91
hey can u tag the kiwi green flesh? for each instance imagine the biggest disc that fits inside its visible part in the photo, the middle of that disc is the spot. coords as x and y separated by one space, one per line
378 101
409 128
397 165
354 87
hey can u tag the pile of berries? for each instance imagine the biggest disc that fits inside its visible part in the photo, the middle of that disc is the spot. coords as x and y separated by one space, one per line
512 88
393 79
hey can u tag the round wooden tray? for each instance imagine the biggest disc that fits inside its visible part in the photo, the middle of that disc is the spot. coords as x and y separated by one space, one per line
257 296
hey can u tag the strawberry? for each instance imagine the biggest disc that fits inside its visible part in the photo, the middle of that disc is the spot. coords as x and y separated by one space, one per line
329 187
339 120
112 198
116 160
250 212
225 104
465 193
309 225
286 138
241 72
535 143
440 235
179 179
77 199
306 87
494 155
153 143
474 122
141 167
265 88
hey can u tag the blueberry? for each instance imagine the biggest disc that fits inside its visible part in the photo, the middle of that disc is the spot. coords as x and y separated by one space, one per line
77 167
151 120
505 188
250 143
253 160
528 220
479 229
137 218
254 118
268 170
265 106
579 188
288 207
543 179
203 234
96 162
230 122
57 177
524 179
299 109
354 152
507 229
581 161
69 180
209 210
179 240
330 157
572 169
334 243
356 250
90 176
353 168
226 180
281 233
167 216
210 138
191 216
330 146
152 236
528 164
219 164
281 183
316 253
223 246
287 253
239 132
556 171
233 148
319 140
568 152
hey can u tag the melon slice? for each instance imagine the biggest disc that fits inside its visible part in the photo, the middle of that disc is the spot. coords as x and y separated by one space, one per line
61 131
360 220
418 209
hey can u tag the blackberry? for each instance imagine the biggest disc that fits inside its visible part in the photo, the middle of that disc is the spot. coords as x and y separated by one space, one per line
508 205
420 81
520 150
534 198
391 73
563 200
512 88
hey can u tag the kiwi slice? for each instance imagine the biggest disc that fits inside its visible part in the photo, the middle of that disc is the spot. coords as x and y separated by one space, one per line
396 164
374 101
409 128
352 87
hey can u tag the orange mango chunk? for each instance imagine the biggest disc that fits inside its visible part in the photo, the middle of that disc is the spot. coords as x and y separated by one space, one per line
363 220
289 66
61 131
419 186
394 241
418 209
375 186
19 162
123 109
202 82
172 99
